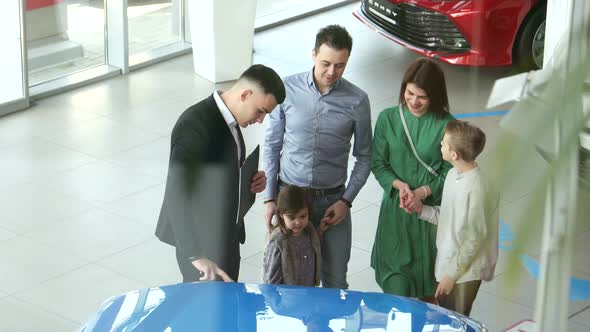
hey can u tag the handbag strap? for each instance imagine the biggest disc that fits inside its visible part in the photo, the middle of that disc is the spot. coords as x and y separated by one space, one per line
428 168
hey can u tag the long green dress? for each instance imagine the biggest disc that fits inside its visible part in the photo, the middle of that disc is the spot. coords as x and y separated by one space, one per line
404 251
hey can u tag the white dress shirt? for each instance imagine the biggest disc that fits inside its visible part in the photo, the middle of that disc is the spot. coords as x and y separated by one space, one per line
229 119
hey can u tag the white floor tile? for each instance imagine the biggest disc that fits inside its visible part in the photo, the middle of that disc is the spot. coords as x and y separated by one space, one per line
364 281
151 262
282 67
102 182
255 260
359 260
103 137
92 235
250 273
31 263
582 318
159 117
371 191
37 159
151 159
522 290
62 295
364 225
6 235
20 316
255 235
265 44
498 314
27 207
390 72
574 326
40 120
143 206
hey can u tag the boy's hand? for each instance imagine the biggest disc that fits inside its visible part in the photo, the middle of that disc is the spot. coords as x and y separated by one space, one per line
445 287
411 202
417 207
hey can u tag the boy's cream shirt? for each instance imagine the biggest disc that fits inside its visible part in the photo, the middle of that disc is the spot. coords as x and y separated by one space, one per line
467 235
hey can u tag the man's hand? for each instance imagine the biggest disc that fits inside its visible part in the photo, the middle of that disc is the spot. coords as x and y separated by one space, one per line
445 287
335 213
258 182
210 270
323 228
269 212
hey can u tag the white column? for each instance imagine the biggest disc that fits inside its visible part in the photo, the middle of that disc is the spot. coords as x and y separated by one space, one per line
13 81
222 33
117 34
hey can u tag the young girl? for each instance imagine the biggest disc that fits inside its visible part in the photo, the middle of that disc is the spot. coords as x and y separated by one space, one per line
292 256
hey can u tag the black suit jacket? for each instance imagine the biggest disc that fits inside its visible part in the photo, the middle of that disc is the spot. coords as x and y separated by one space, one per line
198 214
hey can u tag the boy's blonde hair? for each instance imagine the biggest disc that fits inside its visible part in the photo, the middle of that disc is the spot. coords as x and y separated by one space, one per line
465 139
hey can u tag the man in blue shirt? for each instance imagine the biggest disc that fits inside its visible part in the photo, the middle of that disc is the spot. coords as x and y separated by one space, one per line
307 144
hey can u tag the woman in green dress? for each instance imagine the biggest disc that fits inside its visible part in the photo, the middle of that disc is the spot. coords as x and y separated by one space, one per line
404 251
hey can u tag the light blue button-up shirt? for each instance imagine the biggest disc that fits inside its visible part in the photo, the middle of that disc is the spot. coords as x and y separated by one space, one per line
309 136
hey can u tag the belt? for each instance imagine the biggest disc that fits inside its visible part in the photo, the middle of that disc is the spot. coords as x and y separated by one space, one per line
318 192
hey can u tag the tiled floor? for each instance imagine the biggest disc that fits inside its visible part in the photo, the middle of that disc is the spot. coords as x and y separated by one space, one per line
83 177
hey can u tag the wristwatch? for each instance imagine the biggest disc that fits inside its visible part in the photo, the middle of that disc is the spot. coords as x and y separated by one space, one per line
347 202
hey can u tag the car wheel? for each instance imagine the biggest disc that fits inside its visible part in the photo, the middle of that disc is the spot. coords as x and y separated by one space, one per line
529 47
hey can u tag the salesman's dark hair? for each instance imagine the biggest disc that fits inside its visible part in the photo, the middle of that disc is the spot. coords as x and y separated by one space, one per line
267 79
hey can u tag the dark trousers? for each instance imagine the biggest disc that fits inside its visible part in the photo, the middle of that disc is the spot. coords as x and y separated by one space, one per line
231 266
461 298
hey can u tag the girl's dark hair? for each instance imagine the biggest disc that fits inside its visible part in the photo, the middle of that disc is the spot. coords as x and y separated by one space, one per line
291 200
428 76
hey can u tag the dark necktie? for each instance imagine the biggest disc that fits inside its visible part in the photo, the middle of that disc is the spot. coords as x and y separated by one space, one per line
242 145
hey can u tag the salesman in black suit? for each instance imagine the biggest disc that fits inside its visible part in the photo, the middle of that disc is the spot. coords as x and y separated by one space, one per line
200 207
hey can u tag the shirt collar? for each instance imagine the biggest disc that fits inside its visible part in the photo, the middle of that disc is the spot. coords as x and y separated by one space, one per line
227 116
311 82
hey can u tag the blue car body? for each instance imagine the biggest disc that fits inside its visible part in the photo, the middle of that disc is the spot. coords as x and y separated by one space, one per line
221 307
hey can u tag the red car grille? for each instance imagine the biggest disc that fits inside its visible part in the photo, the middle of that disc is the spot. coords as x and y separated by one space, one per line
417 26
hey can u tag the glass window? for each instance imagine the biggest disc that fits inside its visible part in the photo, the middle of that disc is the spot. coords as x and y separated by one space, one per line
63 37
153 24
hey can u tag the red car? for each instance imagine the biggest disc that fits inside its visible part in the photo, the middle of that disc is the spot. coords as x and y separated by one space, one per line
463 32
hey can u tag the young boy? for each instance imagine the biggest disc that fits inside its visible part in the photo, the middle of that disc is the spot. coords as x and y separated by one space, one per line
467 218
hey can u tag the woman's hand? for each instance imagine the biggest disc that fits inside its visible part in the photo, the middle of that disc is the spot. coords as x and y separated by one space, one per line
405 193
420 194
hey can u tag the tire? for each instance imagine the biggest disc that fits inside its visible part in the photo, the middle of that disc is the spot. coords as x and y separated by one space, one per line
528 48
